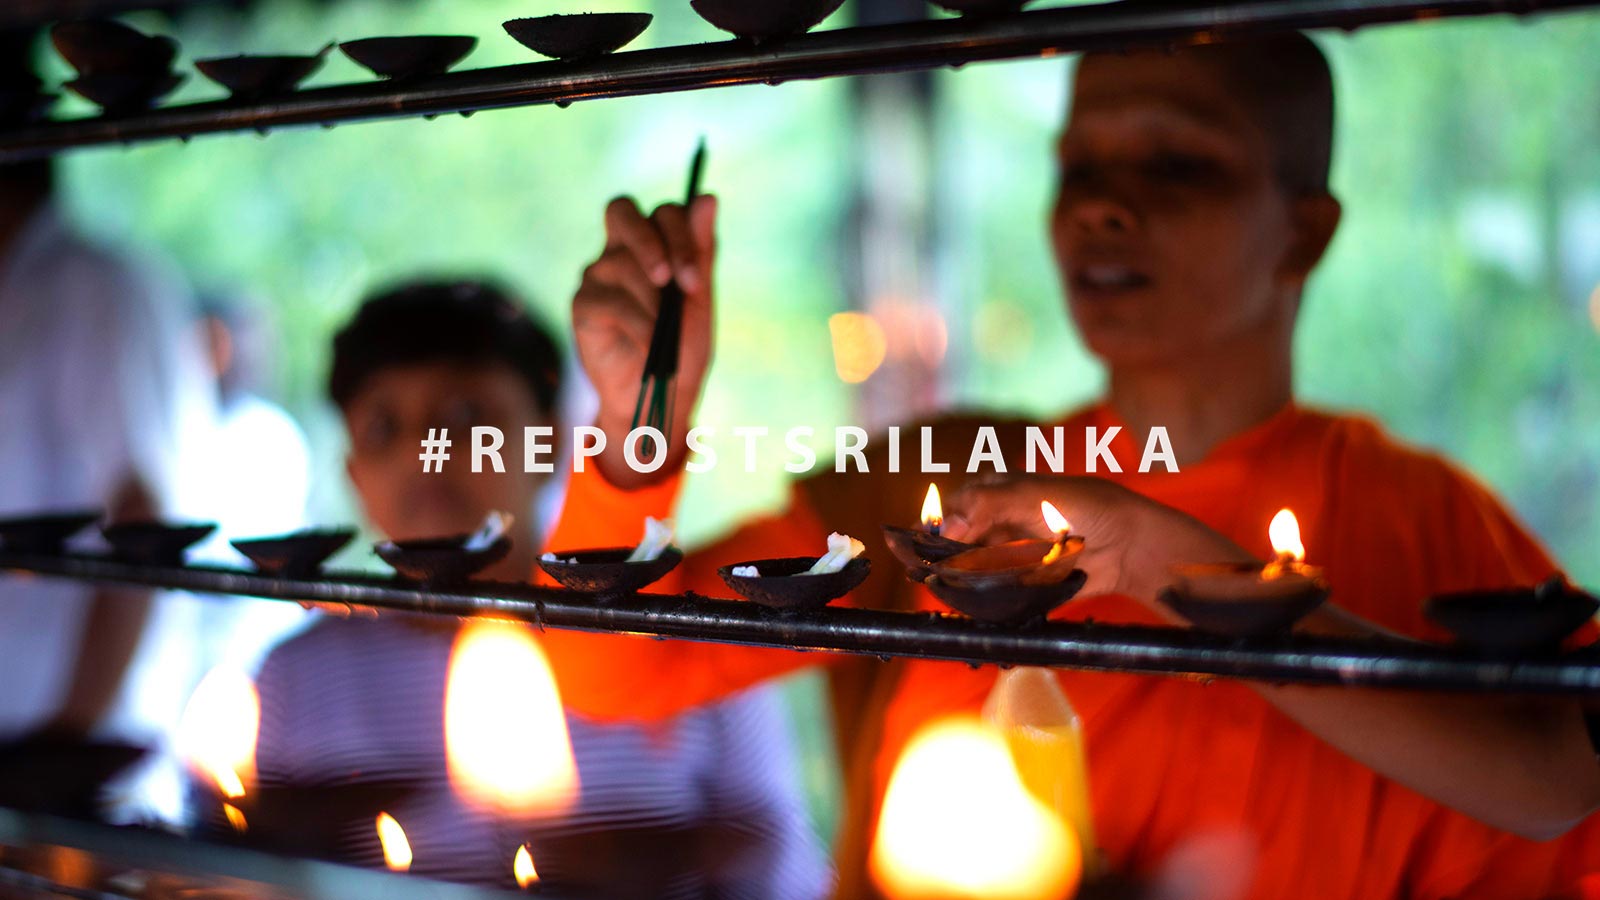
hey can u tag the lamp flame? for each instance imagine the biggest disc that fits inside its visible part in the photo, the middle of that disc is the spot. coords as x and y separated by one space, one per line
522 868
957 821
932 509
1054 519
1284 532
396 849
505 733
235 818
217 732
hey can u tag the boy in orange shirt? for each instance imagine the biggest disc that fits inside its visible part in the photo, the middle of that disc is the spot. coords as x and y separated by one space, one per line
1193 205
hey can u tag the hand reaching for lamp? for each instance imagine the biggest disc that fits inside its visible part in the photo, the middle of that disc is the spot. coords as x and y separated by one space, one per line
1130 541
614 313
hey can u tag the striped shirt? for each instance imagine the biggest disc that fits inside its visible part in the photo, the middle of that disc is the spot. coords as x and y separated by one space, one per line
364 700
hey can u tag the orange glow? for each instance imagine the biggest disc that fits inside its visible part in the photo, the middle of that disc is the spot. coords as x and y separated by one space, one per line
859 345
932 509
396 849
505 732
1594 308
218 729
522 867
235 817
1054 519
957 821
1284 532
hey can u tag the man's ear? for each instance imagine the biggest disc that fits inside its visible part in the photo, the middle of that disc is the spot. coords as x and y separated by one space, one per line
1314 217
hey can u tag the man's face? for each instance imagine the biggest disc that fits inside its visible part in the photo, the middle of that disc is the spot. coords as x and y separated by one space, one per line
392 413
1169 227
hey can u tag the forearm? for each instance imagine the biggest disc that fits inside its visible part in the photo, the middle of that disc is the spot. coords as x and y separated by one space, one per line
1525 765
1519 764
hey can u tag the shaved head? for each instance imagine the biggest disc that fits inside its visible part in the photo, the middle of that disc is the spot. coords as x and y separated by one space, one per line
1283 85
1193 200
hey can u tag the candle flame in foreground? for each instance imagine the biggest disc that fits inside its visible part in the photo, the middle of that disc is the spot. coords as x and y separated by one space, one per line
522 867
505 732
1054 519
396 849
932 509
957 821
235 817
218 729
1284 532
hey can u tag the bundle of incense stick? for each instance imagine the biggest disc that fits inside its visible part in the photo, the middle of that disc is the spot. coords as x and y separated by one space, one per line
661 363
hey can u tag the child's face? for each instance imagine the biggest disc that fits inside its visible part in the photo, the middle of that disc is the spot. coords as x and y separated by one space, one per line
1170 229
392 413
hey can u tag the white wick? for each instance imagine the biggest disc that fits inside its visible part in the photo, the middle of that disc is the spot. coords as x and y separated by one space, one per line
495 525
841 549
746 572
657 535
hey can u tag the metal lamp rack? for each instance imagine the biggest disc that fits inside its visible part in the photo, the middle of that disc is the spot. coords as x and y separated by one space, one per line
848 51
1122 648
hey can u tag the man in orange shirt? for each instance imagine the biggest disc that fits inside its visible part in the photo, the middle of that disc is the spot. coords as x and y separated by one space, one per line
1193 205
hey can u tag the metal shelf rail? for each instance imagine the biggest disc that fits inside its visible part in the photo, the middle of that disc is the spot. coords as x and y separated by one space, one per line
1123 648
907 46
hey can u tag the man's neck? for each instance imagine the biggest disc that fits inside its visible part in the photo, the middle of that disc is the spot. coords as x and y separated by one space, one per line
1205 398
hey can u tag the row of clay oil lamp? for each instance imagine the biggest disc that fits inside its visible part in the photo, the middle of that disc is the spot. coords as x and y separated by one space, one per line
1016 583
123 70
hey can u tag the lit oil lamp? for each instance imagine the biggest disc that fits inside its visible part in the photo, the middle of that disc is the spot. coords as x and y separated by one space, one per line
396 849
982 834
1249 599
217 736
509 756
1013 583
932 511
917 547
522 868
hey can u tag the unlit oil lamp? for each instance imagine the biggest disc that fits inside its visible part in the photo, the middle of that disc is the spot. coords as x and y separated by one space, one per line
1513 621
1251 599
452 559
801 582
616 570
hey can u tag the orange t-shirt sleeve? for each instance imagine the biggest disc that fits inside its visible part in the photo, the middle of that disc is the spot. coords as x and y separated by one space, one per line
609 676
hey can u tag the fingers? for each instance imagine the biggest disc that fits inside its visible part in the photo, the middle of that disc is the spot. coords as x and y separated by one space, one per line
673 242
1006 507
703 225
606 310
619 268
627 229
982 513
672 223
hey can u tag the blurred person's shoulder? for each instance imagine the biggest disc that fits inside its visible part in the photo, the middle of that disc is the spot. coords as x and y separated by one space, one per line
84 275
